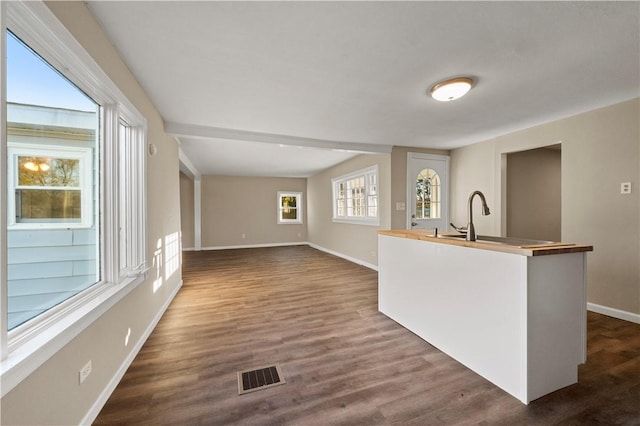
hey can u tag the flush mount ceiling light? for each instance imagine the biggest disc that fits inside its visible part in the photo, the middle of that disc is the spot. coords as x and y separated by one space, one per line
451 89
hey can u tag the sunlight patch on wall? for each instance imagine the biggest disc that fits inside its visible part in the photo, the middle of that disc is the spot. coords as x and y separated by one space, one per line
157 265
171 254
126 338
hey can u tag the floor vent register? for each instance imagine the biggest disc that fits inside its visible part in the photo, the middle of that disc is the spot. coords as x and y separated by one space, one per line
258 379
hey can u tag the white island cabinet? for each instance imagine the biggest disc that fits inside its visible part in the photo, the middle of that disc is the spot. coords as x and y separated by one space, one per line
514 315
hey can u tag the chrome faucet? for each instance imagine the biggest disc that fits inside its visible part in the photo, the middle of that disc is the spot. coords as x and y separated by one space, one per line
471 231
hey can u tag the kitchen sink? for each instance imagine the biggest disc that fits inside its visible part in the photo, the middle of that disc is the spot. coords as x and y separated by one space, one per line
509 241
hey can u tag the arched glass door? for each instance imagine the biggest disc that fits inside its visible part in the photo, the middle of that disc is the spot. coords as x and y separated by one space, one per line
427 191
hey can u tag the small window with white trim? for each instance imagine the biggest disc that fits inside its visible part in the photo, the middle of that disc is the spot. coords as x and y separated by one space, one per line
51 186
289 208
355 197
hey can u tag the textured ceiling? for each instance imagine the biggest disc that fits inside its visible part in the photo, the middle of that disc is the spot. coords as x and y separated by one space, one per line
332 73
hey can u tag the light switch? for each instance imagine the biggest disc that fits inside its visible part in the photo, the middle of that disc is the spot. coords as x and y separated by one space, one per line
400 206
625 188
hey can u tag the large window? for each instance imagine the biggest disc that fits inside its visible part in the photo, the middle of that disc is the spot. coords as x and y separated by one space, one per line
355 197
74 226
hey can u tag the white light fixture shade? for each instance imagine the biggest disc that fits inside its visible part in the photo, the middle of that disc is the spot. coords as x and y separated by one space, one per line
452 89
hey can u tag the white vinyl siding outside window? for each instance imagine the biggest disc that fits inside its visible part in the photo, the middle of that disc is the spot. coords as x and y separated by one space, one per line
355 197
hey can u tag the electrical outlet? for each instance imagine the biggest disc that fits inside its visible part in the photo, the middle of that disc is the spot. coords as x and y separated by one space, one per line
85 371
373 254
625 188
243 236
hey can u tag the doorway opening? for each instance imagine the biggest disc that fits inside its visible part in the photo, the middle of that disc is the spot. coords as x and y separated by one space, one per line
533 193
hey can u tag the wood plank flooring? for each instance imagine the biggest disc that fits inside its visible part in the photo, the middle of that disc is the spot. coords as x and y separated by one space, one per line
344 362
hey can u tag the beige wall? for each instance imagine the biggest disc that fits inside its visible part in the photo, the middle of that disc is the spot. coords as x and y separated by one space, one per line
186 211
533 194
359 242
52 395
599 151
233 206
399 181
472 168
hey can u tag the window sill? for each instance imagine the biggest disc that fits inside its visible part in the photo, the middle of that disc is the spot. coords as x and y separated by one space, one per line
358 222
47 226
25 359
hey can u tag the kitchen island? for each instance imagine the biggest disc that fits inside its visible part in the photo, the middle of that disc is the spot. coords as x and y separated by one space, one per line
513 311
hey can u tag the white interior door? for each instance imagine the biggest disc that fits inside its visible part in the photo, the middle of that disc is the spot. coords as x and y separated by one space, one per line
427 191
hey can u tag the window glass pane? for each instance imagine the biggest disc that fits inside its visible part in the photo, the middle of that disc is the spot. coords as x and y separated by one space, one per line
372 185
356 197
288 202
37 205
372 206
289 205
43 171
428 195
290 214
53 238
124 159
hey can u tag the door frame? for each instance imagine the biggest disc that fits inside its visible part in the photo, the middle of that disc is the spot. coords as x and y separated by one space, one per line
410 185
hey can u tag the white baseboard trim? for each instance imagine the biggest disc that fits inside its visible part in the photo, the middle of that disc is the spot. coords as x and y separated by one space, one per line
188 249
344 256
613 312
90 417
295 243
315 246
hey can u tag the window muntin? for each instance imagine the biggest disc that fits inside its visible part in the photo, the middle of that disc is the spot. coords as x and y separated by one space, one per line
289 207
355 197
428 197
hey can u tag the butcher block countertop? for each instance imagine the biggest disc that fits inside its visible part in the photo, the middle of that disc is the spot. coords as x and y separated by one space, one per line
506 245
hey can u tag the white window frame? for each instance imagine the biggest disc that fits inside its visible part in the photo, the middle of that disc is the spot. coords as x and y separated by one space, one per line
132 195
283 221
84 155
359 220
28 346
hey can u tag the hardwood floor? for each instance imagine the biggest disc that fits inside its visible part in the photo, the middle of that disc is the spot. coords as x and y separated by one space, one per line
344 362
